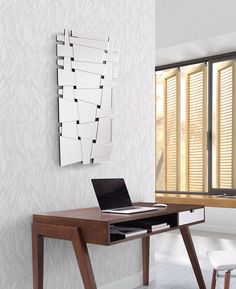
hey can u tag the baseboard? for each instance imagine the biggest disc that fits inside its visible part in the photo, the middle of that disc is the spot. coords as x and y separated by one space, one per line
130 282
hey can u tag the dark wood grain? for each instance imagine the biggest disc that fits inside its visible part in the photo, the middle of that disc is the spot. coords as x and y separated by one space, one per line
83 260
145 255
73 234
91 220
213 281
227 280
72 217
37 258
90 225
192 256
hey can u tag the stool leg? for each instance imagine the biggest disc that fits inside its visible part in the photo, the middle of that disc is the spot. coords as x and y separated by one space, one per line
213 282
227 279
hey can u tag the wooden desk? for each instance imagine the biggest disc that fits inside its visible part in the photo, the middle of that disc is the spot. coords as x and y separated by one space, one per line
89 225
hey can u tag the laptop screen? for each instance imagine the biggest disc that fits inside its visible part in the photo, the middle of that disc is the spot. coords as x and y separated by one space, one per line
111 193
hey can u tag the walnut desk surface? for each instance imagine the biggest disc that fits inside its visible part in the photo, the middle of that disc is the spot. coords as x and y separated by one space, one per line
90 225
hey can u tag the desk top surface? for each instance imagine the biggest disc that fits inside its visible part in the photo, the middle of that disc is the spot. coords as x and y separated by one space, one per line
94 214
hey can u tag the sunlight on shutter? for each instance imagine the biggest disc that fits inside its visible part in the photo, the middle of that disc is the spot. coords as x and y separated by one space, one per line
171 131
225 164
196 129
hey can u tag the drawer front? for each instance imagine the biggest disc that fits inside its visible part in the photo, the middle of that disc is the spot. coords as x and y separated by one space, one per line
192 216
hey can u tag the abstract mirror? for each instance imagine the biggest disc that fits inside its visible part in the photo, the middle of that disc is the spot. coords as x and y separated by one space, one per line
87 70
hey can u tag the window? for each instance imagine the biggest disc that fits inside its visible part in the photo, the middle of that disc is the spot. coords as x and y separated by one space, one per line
196 126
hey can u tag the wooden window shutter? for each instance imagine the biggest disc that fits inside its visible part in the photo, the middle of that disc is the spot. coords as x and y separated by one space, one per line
171 160
226 126
196 129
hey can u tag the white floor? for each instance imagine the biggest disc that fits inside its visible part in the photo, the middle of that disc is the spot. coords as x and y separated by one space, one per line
173 269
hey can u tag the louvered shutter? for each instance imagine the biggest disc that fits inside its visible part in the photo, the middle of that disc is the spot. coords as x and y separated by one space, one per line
171 131
196 129
225 126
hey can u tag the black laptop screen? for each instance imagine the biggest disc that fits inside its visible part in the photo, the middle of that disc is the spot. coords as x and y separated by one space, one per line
111 193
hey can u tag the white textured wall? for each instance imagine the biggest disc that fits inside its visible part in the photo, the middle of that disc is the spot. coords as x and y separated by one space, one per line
30 178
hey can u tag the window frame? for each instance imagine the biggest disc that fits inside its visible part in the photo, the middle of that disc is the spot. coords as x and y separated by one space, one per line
210 60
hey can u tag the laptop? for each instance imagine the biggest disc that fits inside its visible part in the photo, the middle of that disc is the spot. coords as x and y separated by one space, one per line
113 197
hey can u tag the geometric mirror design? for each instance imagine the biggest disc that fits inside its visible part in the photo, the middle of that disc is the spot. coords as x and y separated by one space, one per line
86 74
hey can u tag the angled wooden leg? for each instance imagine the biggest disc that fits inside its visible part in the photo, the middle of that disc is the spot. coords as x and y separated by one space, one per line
192 256
213 282
227 280
37 256
146 253
39 231
83 260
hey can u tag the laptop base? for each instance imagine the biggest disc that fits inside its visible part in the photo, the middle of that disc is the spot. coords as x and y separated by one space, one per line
136 210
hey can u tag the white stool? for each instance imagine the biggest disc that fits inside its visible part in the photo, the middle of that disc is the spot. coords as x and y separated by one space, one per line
222 261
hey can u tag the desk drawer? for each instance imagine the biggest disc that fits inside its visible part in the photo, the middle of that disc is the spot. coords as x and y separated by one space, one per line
192 216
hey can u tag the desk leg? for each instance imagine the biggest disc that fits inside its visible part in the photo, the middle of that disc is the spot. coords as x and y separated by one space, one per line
73 234
146 253
37 255
192 256
83 260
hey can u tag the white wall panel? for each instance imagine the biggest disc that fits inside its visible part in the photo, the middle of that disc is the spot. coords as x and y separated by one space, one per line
87 111
69 130
89 95
88 130
68 110
31 179
104 131
66 77
64 50
92 35
100 150
68 93
108 82
113 57
107 94
97 68
104 113
88 54
87 80
70 151
100 44
67 63
86 150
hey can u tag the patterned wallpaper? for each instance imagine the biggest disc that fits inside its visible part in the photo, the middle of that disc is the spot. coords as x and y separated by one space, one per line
31 180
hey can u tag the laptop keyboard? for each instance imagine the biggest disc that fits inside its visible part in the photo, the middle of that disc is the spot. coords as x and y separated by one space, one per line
126 208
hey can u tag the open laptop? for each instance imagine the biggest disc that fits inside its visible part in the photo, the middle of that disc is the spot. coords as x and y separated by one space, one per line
113 197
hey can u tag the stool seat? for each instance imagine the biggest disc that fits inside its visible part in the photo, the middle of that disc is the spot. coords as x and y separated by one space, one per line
222 260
